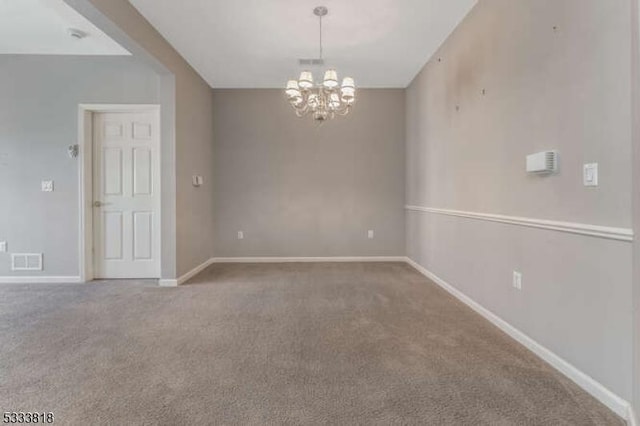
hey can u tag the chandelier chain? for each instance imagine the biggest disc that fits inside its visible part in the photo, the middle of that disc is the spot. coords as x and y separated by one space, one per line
320 37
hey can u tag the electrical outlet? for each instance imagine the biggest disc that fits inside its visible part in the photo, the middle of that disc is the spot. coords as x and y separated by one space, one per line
3 246
240 235
517 280
370 234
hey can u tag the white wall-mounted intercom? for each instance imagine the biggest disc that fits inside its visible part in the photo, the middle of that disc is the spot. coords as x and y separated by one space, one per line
542 162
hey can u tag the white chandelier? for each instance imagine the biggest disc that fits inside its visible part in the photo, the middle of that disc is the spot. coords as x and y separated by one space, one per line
323 101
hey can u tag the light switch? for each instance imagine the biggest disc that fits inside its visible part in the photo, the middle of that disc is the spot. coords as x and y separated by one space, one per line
517 280
197 180
590 174
47 186
3 246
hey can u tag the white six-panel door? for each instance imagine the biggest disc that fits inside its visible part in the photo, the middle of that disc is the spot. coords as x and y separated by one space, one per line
126 199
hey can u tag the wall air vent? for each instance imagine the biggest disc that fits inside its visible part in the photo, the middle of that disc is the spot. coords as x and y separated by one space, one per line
311 61
26 261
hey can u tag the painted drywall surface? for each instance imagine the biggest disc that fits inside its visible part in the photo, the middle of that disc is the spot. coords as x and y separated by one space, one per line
296 189
194 156
576 296
635 53
193 147
565 89
38 121
555 75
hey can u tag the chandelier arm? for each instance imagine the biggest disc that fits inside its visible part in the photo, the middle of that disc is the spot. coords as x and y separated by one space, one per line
342 107
305 97
303 107
302 113
344 111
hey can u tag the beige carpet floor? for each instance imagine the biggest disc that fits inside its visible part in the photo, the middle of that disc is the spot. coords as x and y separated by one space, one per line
335 344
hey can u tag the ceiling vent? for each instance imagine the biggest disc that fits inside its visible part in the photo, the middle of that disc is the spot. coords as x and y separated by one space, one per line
311 61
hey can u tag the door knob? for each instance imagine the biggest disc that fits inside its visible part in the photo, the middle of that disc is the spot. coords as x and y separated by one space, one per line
98 204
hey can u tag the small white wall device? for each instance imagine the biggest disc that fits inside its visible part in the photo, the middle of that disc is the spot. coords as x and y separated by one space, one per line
590 175
197 180
542 162
47 185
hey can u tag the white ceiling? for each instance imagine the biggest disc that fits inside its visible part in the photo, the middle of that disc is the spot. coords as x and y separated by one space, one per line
257 43
40 27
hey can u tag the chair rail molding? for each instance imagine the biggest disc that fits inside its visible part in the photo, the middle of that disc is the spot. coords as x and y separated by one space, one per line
611 233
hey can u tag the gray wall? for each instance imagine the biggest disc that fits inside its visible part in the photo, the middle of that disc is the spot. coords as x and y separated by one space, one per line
565 89
300 190
190 124
39 97
635 15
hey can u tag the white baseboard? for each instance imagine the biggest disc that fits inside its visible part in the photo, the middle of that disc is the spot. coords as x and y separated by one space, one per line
632 420
308 259
40 280
186 277
195 271
597 390
168 282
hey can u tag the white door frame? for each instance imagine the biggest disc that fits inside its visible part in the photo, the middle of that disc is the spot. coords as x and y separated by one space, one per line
85 179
